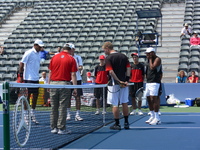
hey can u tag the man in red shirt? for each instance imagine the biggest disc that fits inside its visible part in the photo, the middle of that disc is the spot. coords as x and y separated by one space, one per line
137 77
62 70
101 77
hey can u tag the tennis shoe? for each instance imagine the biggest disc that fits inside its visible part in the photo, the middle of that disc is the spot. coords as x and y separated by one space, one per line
34 119
103 112
64 131
149 120
54 131
133 112
159 113
140 112
97 112
126 126
149 113
68 117
78 118
155 121
115 127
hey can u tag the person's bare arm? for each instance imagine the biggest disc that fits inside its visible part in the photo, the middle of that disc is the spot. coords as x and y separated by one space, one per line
154 64
74 82
21 70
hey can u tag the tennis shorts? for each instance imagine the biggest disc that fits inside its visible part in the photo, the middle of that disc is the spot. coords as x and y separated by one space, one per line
133 88
98 92
32 90
79 90
117 95
152 89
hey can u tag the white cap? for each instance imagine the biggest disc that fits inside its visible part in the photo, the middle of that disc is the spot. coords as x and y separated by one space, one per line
39 42
150 49
69 45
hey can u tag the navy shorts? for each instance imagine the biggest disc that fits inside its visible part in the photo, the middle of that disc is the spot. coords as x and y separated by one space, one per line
32 90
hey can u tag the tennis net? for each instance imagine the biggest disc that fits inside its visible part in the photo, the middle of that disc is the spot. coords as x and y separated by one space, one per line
30 135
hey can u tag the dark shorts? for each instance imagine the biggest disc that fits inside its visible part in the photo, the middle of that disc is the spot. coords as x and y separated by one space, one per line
32 90
98 92
133 88
79 91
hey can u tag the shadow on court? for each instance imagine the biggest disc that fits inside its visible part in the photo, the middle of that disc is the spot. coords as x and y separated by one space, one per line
178 131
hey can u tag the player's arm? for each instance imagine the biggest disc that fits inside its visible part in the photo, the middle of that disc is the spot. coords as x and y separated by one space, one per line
21 70
74 82
154 64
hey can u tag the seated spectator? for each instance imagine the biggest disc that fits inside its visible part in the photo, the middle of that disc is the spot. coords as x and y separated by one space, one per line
194 40
1 50
44 55
181 77
193 78
90 79
186 31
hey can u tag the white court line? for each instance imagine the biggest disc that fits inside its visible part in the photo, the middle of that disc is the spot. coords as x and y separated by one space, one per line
165 127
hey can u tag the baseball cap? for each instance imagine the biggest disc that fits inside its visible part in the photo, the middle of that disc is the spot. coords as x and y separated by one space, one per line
134 54
150 49
39 42
101 57
195 32
70 45
89 74
186 24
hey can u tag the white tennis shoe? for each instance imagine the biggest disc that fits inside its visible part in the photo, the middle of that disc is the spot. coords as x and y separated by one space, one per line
149 120
54 131
155 121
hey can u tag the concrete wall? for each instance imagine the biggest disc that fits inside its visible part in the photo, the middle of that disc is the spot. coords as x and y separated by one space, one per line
180 90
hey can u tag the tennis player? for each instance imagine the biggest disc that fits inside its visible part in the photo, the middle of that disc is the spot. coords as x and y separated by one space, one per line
153 75
29 73
119 69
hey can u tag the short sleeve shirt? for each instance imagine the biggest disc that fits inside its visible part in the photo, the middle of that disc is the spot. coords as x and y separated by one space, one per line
43 54
31 60
79 62
61 66
101 74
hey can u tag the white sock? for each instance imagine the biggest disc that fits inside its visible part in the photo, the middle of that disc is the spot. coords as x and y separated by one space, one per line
157 116
98 109
152 114
77 112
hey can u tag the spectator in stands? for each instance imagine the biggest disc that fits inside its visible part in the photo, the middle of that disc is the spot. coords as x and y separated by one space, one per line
193 78
44 55
153 75
101 77
2 50
118 66
137 77
90 79
79 63
186 31
62 70
29 72
194 40
58 50
181 77
45 79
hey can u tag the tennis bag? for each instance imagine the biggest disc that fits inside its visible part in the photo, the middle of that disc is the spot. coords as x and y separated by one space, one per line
197 100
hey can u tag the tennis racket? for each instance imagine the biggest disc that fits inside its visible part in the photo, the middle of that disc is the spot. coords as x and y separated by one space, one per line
140 96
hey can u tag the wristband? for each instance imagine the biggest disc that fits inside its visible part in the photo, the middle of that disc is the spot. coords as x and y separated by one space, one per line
127 78
21 74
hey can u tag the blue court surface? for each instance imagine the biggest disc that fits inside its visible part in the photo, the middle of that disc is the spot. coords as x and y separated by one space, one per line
178 131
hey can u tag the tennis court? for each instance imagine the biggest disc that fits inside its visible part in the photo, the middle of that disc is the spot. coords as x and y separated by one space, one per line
178 131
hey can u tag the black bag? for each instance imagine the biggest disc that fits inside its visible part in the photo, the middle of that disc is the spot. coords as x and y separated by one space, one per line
197 101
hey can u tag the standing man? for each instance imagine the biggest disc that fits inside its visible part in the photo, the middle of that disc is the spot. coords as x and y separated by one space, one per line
29 73
137 77
101 77
153 75
79 64
45 79
62 70
119 69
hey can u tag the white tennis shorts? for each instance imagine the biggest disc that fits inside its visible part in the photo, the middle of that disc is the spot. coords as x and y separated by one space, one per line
152 89
117 95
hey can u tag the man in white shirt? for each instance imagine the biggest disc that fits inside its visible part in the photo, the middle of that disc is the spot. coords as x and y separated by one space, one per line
29 72
79 63
186 31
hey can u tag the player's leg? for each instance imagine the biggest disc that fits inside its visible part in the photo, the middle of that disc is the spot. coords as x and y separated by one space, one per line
78 102
97 96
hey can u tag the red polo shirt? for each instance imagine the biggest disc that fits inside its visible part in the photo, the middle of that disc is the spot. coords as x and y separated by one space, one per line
61 66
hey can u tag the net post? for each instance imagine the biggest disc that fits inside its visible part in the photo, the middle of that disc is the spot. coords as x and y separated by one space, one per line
104 106
6 117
